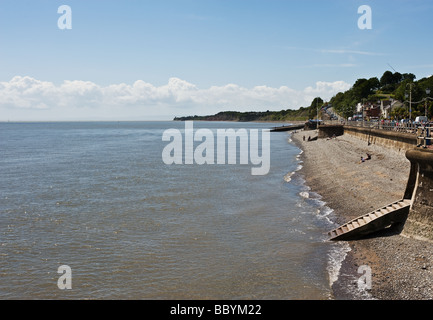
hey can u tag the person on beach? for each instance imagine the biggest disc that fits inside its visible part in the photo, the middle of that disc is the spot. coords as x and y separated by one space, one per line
365 159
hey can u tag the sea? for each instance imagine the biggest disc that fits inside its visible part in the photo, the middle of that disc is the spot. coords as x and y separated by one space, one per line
90 210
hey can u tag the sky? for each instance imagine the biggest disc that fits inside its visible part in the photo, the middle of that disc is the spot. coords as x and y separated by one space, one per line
157 59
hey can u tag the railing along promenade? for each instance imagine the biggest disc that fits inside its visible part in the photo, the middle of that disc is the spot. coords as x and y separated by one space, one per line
384 125
422 132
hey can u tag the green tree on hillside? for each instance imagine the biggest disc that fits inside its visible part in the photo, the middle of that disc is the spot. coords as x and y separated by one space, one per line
316 103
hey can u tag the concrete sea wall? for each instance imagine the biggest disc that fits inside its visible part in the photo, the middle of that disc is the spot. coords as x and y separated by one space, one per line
419 188
390 139
328 131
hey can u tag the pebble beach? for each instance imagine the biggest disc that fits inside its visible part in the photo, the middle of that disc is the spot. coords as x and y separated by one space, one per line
401 267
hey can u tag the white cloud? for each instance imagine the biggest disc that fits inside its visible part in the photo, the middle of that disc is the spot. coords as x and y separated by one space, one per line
26 98
338 51
329 65
343 51
328 87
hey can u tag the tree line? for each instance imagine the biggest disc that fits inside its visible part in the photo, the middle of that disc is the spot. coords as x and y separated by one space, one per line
391 85
283 115
402 87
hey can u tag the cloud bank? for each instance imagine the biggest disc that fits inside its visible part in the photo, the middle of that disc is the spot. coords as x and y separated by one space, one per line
26 98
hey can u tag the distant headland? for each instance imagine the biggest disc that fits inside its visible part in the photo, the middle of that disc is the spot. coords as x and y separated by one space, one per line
301 114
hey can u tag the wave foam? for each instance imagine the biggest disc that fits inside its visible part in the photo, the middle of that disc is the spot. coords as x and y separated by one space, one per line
288 177
336 256
305 194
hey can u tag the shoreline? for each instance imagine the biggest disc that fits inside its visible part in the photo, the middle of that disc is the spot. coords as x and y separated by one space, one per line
402 268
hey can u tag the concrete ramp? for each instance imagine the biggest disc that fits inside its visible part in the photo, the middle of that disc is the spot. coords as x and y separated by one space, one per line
288 128
379 219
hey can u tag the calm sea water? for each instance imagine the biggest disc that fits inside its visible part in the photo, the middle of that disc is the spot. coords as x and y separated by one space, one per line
98 198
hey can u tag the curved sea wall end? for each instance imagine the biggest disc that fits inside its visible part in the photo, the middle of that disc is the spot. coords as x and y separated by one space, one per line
419 223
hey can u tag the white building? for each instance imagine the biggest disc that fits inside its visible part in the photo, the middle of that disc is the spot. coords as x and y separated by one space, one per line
386 106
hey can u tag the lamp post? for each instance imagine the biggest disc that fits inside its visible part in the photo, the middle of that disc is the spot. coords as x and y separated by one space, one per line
427 91
410 100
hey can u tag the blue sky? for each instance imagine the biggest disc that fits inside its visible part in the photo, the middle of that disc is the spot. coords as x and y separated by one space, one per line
170 58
